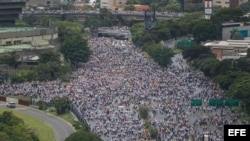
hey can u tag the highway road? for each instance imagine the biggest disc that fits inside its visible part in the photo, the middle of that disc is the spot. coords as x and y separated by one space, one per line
61 128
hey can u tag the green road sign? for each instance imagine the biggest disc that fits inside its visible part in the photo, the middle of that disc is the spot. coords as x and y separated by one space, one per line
231 102
196 102
215 102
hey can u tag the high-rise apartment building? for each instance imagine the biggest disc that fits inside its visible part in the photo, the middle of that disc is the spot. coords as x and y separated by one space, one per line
110 3
10 11
228 3
46 3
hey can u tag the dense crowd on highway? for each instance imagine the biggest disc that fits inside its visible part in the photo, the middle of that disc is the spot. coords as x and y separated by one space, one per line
109 89
93 12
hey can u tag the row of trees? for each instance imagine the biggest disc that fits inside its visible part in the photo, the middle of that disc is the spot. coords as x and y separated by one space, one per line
62 106
13 128
149 42
233 75
49 68
190 23
169 5
143 112
74 49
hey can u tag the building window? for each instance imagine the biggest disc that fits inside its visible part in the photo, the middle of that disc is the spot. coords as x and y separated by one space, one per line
48 3
8 43
17 42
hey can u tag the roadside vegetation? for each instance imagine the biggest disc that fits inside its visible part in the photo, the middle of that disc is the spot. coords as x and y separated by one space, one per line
233 75
18 126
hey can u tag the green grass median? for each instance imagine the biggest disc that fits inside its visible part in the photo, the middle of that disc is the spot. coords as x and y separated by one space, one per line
42 129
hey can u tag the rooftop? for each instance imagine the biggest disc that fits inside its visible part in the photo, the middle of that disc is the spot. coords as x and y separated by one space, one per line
12 1
17 29
229 44
21 47
14 48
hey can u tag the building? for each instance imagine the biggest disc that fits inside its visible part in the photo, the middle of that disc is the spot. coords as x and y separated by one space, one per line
26 35
228 28
28 42
141 7
109 4
230 49
10 11
45 3
228 3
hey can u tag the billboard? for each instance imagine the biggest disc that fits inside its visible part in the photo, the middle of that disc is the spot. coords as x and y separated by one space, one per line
149 20
208 4
208 8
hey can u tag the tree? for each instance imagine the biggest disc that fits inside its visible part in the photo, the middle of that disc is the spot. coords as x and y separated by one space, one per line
207 65
67 29
129 7
227 78
205 30
132 2
11 59
51 71
189 20
194 52
242 64
92 22
226 15
224 66
248 53
147 2
153 132
240 89
76 50
81 126
82 135
61 104
143 111
49 57
140 37
106 18
160 54
192 7
162 30
20 23
24 75
236 35
245 7
13 128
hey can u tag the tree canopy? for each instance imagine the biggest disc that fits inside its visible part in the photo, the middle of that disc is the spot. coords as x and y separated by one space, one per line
61 104
82 135
67 29
75 50
240 89
49 57
13 128
143 111
205 30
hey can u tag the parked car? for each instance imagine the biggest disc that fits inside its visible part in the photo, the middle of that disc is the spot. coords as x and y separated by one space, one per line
11 105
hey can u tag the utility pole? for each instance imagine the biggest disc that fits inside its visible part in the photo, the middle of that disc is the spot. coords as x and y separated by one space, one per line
182 6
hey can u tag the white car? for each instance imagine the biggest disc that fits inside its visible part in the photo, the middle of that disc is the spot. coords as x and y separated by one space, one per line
11 105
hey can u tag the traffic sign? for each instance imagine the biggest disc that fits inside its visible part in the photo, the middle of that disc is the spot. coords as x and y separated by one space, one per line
215 102
196 102
231 102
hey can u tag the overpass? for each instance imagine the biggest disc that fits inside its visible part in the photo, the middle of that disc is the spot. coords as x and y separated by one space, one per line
81 15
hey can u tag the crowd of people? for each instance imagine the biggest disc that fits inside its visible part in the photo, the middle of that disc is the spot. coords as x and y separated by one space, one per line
109 89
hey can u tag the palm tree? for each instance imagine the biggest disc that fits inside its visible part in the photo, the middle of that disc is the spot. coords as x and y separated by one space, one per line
233 32
236 35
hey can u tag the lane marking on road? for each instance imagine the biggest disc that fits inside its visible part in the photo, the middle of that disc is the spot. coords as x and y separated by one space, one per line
20 108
